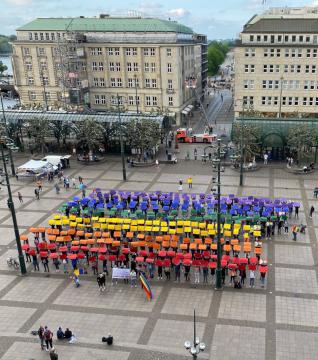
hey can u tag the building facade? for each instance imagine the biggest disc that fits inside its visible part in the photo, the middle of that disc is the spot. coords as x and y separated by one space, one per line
276 67
140 63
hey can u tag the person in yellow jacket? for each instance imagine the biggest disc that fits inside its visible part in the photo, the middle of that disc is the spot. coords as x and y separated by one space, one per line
190 182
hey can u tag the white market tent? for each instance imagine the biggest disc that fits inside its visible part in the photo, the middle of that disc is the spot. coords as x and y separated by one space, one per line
34 168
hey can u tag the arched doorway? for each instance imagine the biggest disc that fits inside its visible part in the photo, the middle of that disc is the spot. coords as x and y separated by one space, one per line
275 144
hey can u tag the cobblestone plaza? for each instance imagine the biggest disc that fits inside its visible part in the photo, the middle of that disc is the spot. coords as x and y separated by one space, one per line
279 321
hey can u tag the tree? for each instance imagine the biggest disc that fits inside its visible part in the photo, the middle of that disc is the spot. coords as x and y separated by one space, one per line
60 131
3 67
217 51
89 134
39 130
301 139
248 137
143 134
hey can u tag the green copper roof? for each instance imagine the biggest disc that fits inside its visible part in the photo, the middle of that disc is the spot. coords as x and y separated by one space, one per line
108 24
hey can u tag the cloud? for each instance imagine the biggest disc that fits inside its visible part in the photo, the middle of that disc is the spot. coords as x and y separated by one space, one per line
150 8
19 2
178 13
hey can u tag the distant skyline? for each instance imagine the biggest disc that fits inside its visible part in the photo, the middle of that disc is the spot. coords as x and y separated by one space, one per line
217 19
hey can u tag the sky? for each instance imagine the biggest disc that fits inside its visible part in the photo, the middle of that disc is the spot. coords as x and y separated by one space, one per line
218 19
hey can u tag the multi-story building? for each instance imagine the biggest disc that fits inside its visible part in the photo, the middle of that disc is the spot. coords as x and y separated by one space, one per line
142 63
276 67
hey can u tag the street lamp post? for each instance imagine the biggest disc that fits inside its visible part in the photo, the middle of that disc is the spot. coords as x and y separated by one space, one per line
196 346
218 284
12 209
6 128
44 90
241 144
122 151
280 97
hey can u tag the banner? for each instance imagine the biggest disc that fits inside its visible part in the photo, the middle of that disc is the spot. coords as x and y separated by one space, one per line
145 286
119 273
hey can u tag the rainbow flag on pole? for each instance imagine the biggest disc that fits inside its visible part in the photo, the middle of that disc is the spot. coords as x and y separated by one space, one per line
145 286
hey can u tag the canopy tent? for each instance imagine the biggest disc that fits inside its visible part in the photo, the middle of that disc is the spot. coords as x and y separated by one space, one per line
35 167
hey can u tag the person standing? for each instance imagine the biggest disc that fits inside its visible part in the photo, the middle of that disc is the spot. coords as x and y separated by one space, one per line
196 275
35 262
294 232
133 278
45 263
297 211
205 274
37 193
180 188
190 182
195 154
41 336
252 278
265 159
48 337
312 210
20 197
286 227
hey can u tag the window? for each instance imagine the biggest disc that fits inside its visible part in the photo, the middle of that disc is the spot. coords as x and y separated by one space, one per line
307 39
170 101
41 36
293 38
47 96
130 83
44 80
94 66
30 80
131 100
154 83
111 66
248 84
154 101
41 51
30 36
279 38
99 51
270 68
310 85
168 52
249 68
148 101
169 68
152 51
128 51
146 67
43 65
136 68
129 67
117 51
96 83
36 37
97 99
134 51
26 51
103 99
117 66
47 36
310 69
53 36
101 66
249 52
32 95
251 38
153 67
101 82
28 65
248 100
110 51
146 51
147 83
119 82
258 38
170 84
113 82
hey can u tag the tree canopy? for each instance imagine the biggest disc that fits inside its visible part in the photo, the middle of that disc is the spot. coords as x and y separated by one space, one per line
3 67
5 47
90 134
216 54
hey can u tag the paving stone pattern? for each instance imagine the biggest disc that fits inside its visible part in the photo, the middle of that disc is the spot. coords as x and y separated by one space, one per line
279 321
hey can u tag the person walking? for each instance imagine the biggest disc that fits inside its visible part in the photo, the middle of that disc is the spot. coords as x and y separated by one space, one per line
37 193
286 227
195 152
265 159
20 197
190 182
35 262
133 278
48 337
45 263
57 188
39 185
41 336
297 212
294 232
312 210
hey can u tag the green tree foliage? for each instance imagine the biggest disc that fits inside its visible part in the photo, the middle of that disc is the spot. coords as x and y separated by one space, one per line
3 67
216 54
301 139
39 130
60 130
90 134
5 47
143 134
247 136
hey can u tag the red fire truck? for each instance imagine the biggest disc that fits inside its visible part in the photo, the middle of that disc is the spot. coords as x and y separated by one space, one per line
186 136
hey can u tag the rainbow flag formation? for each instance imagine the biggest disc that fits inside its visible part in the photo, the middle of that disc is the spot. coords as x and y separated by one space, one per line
145 286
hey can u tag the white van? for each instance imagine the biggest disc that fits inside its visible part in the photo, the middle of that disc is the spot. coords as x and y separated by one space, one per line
56 159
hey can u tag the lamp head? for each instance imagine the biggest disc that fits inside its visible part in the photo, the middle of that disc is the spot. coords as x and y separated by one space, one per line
202 346
187 345
193 350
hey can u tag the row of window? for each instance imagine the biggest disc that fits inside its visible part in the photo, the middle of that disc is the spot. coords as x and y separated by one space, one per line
287 68
100 99
284 38
286 84
288 52
117 82
286 100
45 36
130 66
